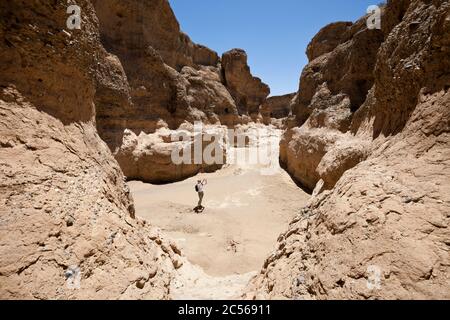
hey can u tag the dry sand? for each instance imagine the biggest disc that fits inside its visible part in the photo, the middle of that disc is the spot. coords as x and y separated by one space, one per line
226 244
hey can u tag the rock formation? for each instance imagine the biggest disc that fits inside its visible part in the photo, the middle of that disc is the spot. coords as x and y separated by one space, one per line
332 87
153 157
277 107
370 140
171 82
132 26
249 92
373 140
67 227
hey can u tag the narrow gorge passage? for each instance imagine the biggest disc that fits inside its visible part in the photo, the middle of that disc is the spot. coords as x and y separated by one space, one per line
246 210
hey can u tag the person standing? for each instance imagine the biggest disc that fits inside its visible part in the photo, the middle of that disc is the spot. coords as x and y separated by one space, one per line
199 188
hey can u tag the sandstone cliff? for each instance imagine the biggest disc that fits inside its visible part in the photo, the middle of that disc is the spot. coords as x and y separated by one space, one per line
171 79
170 82
332 87
248 91
67 227
373 140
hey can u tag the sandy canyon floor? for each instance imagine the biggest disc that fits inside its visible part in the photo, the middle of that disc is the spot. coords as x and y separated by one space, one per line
246 210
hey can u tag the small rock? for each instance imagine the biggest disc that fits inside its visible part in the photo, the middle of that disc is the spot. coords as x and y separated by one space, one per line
177 263
140 284
175 248
70 221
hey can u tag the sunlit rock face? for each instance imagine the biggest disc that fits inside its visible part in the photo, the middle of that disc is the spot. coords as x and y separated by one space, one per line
248 91
172 155
170 79
372 138
67 225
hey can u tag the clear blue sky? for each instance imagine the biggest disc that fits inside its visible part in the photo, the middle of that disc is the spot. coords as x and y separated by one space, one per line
274 33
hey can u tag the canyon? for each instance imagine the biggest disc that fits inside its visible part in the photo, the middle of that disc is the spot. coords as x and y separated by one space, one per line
93 207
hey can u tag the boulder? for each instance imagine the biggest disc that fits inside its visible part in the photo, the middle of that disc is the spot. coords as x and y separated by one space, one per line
153 157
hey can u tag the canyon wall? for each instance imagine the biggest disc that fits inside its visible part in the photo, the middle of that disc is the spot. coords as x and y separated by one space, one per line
171 82
332 87
248 91
277 107
373 139
67 226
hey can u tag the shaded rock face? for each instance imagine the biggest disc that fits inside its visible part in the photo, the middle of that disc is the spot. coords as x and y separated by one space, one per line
381 230
67 227
322 148
345 64
249 92
277 107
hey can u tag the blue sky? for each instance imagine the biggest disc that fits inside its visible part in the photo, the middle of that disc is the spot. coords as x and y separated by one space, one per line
274 33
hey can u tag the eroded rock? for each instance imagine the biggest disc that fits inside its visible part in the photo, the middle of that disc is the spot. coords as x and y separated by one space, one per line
278 107
166 156
248 91
66 218
170 80
381 232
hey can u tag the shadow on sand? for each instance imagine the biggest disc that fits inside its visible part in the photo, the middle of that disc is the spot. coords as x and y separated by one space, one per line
199 209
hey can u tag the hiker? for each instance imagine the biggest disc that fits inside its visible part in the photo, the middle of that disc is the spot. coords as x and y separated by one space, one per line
199 189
